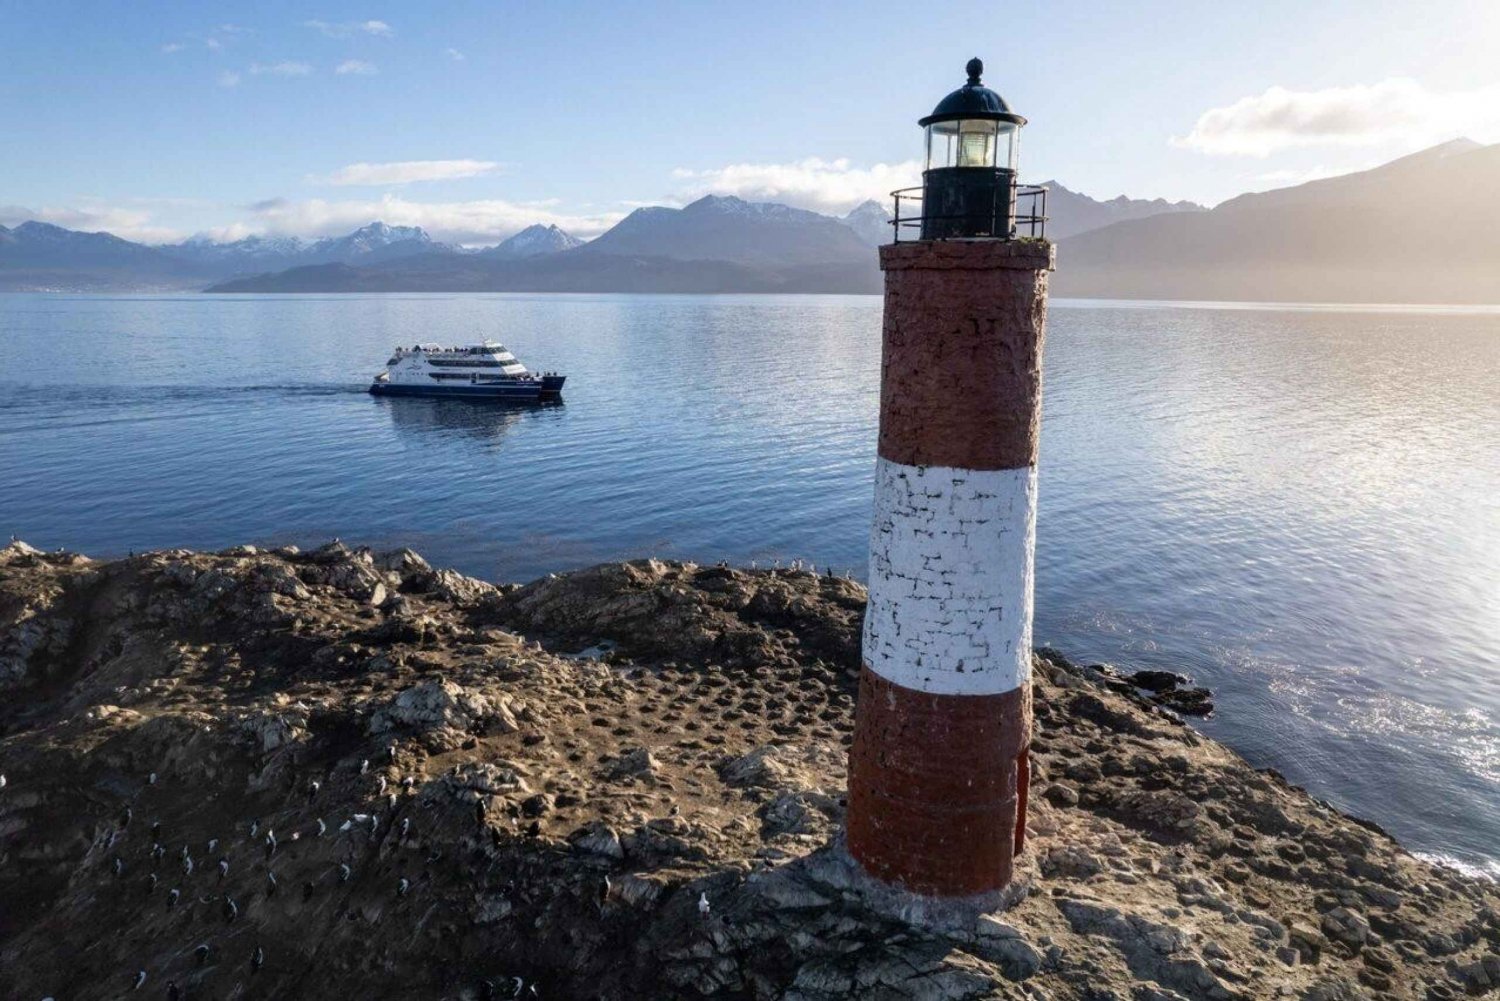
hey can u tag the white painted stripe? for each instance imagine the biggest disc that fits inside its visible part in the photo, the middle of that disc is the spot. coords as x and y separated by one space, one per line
951 567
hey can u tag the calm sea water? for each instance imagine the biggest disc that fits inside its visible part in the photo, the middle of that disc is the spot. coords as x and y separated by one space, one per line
1299 507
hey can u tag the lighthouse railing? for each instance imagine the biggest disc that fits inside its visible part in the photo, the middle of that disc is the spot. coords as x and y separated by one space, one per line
1026 212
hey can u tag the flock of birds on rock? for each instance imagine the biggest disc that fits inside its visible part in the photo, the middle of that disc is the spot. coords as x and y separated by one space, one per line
229 908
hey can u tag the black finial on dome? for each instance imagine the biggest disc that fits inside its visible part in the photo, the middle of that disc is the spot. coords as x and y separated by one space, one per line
974 68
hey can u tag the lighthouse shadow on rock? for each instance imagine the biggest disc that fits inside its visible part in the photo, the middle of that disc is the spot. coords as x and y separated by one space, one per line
938 769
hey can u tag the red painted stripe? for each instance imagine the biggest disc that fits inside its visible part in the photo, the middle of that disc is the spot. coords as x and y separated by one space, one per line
935 786
961 375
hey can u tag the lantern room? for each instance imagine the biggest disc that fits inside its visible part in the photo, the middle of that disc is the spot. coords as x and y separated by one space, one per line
969 186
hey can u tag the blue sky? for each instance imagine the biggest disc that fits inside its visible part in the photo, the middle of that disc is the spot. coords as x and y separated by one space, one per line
158 120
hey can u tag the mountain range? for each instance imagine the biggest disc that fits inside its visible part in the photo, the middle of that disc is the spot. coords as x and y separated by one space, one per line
1424 228
1421 229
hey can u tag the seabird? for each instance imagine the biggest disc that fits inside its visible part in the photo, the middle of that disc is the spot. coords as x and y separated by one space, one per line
270 884
2 781
516 986
140 980
270 843
312 790
391 801
212 844
202 953
118 866
172 897
158 852
231 909
381 785
486 990
364 766
346 825
151 779
344 872
392 752
126 817
408 782
703 906
254 828
223 869
187 864
150 884
405 825
405 885
156 831
322 827
258 960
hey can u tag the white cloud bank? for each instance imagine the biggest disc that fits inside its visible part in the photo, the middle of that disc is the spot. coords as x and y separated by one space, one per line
355 67
406 172
832 186
1394 110
127 224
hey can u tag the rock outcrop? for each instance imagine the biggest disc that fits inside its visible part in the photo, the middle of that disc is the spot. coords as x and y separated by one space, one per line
280 774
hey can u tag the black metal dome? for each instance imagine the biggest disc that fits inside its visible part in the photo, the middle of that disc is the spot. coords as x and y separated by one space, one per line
972 101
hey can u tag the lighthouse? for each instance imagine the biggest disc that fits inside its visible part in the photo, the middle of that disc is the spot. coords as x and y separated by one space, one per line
938 767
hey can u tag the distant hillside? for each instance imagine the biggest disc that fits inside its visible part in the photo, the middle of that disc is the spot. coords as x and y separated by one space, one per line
1424 228
37 255
1070 212
716 228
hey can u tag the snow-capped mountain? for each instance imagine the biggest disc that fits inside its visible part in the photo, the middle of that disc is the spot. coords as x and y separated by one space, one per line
872 222
534 241
256 254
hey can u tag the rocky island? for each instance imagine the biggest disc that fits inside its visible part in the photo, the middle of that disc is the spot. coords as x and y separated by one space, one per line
285 774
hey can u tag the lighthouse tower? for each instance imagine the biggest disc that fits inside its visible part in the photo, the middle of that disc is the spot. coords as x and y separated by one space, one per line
938 768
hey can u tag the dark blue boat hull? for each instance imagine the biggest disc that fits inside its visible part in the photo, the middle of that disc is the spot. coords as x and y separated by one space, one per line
546 388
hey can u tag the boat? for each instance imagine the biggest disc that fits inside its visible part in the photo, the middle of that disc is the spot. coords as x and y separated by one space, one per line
485 371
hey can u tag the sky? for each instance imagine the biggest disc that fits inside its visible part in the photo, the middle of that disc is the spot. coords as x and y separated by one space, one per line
161 121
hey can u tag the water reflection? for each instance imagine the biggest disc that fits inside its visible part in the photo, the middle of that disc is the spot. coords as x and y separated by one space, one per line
486 420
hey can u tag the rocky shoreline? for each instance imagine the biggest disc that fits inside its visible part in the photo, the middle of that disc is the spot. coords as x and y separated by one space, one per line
286 774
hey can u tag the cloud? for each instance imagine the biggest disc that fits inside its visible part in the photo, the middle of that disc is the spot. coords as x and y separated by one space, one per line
833 186
213 43
1397 109
229 78
407 172
471 222
356 67
284 68
348 29
92 217
454 55
171 47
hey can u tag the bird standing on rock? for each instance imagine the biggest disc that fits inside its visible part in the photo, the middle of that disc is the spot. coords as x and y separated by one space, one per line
364 766
703 905
172 897
404 887
322 827
270 884
223 869
140 981
258 960
344 872
231 909
312 790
